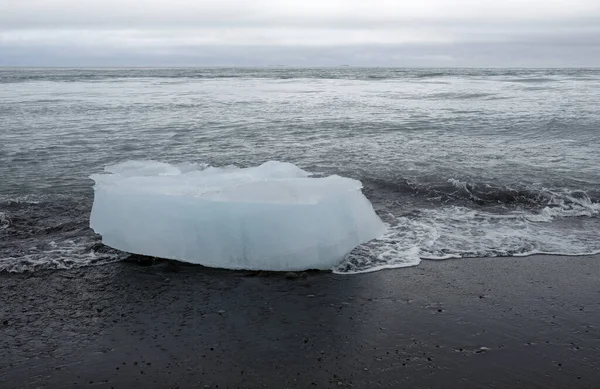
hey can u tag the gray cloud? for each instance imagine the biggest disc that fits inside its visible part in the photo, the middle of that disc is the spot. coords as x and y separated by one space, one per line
433 55
314 13
325 32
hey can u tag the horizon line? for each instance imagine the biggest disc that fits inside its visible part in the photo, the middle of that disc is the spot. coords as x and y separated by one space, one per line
284 66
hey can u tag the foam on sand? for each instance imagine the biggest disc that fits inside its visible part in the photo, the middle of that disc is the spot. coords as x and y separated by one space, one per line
271 217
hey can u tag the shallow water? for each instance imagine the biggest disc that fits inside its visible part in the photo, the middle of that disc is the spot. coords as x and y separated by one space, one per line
459 163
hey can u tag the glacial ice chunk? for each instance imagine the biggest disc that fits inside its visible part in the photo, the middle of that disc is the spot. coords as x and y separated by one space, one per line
271 217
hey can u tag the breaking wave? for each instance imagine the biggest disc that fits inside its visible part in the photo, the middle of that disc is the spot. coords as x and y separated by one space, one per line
481 221
48 232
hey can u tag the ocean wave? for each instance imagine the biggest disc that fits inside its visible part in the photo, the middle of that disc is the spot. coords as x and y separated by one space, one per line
531 80
8 199
46 232
4 220
461 219
452 190
484 193
463 96
460 232
431 74
53 255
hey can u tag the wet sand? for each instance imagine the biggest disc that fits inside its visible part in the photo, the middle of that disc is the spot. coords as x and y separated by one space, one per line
469 323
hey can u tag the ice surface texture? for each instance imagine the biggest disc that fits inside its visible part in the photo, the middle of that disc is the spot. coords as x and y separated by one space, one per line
271 217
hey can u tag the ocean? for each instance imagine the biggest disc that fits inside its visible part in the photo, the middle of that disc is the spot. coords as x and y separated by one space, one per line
457 162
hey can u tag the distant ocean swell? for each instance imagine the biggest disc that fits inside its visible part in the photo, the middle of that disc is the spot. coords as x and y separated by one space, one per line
281 73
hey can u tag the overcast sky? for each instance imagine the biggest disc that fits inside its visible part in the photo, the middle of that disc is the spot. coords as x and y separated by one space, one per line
538 33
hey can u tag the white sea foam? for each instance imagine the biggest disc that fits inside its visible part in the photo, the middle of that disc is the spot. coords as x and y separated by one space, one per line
458 232
4 220
66 254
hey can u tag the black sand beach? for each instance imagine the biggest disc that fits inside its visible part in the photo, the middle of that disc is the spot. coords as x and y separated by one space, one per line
469 323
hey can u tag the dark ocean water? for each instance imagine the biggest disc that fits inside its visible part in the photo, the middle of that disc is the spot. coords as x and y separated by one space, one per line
458 162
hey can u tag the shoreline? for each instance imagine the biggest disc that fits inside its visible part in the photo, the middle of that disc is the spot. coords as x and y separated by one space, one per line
458 323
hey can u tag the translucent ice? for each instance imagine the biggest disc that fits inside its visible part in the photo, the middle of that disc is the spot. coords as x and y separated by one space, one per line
271 217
